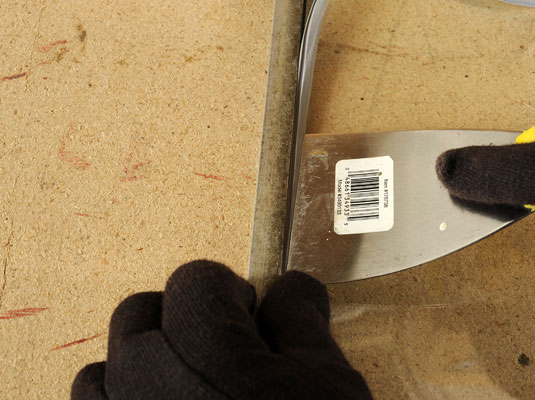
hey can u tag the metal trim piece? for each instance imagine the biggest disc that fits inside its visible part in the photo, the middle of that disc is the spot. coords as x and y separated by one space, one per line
270 219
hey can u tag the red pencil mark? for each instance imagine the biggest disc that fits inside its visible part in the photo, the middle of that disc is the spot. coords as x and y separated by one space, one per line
47 62
24 312
16 76
250 178
76 342
55 57
82 214
130 168
215 177
90 311
70 158
131 178
50 46
141 248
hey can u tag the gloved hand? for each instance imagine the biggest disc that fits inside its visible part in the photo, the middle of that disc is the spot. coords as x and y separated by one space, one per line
490 174
200 340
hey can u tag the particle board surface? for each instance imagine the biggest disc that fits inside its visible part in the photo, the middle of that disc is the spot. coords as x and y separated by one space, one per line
129 145
129 138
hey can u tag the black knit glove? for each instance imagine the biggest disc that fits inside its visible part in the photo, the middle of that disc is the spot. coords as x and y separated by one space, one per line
490 174
200 340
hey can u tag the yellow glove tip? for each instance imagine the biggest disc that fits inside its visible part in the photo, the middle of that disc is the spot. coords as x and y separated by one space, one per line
527 137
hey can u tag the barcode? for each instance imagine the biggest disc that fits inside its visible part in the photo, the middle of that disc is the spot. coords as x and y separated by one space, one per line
363 195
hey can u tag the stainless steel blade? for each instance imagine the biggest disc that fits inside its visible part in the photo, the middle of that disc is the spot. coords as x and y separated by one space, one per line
307 60
428 223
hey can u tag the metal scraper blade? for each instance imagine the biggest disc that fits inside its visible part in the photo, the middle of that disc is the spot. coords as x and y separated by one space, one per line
428 222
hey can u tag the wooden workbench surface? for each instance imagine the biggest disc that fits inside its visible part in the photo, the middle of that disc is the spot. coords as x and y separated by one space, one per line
129 145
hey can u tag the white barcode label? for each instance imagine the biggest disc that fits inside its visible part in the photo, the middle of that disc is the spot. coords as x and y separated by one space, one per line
364 200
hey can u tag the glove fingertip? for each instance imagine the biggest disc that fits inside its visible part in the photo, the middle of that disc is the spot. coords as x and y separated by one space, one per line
202 280
293 289
463 174
196 271
446 165
200 270
137 313
89 383
501 175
